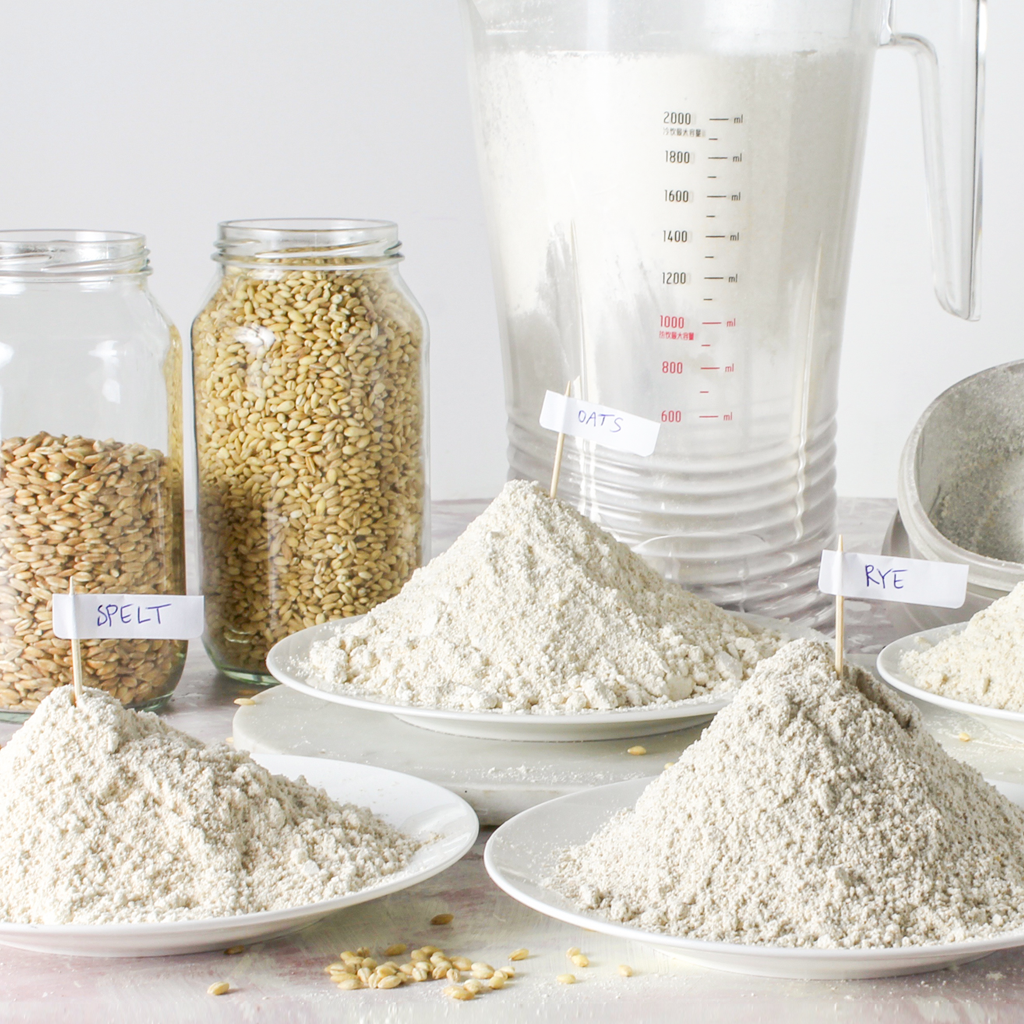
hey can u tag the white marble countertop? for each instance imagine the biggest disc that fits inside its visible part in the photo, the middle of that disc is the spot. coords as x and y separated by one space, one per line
283 980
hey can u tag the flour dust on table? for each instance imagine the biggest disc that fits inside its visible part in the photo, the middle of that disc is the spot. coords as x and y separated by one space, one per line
814 812
536 609
112 816
984 664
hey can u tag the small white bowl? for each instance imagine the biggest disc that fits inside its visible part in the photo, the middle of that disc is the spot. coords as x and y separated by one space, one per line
1009 723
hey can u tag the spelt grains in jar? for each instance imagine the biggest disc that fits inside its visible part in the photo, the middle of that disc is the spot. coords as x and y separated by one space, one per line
309 368
90 459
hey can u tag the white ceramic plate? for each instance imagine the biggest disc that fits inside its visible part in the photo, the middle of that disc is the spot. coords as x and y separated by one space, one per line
286 662
524 850
1010 723
418 808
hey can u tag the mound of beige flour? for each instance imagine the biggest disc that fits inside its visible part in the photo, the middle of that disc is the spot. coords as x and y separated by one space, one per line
982 665
537 609
110 815
812 812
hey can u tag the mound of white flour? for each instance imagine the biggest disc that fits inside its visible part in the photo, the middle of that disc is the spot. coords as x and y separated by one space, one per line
536 609
813 812
982 665
112 816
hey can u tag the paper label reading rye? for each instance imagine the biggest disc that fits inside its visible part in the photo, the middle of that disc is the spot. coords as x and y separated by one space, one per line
599 423
885 578
127 617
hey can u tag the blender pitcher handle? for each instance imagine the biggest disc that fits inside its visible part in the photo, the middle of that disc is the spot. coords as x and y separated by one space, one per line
951 73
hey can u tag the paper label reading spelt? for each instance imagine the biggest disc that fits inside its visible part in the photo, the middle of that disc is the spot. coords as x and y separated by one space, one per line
128 617
885 578
601 424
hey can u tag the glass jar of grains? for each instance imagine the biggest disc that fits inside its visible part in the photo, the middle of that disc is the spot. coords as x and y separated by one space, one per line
90 459
309 367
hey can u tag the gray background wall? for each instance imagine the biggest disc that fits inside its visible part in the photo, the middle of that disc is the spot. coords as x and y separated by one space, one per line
168 117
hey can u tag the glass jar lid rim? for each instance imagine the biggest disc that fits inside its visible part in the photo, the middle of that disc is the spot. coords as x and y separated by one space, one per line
306 225
71 252
301 240
36 235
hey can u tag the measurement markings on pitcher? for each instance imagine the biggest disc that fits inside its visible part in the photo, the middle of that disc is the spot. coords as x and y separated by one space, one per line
684 358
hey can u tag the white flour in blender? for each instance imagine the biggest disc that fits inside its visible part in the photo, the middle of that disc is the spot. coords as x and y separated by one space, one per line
982 665
813 811
603 240
110 815
536 609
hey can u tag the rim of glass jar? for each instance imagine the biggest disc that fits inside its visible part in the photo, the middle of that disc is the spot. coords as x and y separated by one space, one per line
71 253
302 242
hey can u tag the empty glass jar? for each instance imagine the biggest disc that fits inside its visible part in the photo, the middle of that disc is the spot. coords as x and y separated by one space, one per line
90 459
310 377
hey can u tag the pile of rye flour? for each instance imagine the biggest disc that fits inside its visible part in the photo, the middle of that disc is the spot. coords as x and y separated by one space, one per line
110 815
537 609
982 665
814 811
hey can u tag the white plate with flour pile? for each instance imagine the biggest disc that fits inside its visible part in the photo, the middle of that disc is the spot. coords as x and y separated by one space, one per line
287 662
523 852
1010 723
442 821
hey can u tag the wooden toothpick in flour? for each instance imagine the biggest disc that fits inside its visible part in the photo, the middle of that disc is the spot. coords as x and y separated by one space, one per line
76 645
557 468
840 630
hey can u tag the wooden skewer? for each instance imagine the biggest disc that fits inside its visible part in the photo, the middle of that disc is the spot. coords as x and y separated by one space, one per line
557 468
76 646
840 625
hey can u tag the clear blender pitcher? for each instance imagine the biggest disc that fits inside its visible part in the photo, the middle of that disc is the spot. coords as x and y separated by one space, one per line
672 189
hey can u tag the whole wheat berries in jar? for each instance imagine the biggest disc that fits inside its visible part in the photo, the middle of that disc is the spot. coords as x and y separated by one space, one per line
309 367
90 459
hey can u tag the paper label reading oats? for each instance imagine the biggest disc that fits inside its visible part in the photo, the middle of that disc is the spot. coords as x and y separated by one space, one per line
601 424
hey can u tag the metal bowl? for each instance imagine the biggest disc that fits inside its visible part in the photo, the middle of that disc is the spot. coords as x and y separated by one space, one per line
961 480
